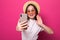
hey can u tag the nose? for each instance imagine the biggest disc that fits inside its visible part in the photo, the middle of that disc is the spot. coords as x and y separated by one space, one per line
30 12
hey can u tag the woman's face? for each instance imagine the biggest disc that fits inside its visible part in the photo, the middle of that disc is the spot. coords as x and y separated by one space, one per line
31 12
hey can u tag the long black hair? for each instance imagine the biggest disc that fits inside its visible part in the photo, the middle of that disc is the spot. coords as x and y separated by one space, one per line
35 10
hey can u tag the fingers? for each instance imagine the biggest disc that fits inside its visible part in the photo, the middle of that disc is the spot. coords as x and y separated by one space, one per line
22 25
23 22
38 17
24 28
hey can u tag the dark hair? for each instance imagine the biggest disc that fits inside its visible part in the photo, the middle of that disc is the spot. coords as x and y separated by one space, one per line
35 10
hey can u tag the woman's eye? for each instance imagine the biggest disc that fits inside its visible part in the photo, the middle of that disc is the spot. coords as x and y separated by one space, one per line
32 10
28 11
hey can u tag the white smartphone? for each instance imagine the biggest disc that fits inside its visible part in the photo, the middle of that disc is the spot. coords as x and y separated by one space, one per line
23 17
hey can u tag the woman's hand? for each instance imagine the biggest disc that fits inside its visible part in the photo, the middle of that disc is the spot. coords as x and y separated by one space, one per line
39 20
21 26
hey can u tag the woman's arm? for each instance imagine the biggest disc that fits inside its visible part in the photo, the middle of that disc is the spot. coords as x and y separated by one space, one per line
46 28
18 27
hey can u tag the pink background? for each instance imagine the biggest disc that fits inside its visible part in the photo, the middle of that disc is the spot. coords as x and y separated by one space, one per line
9 15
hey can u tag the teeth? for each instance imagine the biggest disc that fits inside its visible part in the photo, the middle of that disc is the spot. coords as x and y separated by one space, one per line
31 14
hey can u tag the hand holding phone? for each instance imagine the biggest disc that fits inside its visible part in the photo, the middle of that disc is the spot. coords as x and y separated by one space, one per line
23 21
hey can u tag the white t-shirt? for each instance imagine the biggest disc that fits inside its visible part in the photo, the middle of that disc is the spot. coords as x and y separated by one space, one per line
31 33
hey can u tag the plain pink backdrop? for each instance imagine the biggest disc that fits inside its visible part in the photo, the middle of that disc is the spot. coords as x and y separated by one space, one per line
9 15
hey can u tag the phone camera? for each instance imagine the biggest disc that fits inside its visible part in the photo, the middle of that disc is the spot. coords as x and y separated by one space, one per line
20 15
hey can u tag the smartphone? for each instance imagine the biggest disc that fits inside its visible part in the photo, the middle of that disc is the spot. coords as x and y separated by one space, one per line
23 17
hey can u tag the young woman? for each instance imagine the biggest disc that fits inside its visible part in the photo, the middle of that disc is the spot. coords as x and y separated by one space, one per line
33 26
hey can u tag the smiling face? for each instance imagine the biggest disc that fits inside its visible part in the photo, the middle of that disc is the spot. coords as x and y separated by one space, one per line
31 12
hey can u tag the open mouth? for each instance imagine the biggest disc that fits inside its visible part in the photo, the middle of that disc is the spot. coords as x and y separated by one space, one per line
31 14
